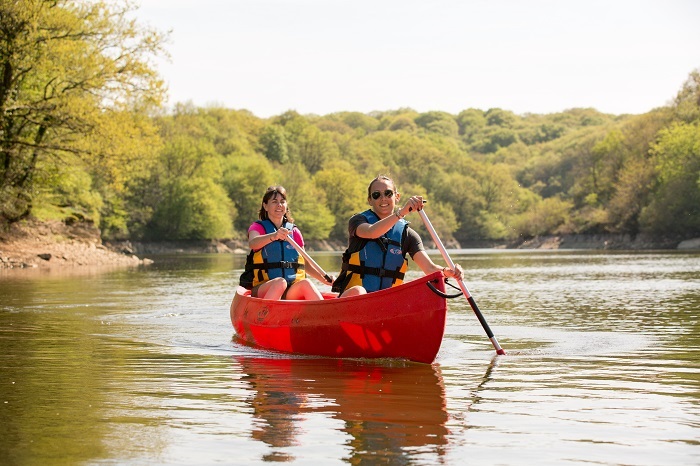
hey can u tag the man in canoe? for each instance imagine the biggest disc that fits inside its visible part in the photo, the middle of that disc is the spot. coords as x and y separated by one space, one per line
379 239
273 269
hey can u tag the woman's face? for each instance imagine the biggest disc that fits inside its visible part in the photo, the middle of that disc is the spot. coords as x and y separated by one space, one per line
386 198
276 207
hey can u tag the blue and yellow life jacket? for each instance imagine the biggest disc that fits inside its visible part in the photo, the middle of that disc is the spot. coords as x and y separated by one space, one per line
379 264
277 259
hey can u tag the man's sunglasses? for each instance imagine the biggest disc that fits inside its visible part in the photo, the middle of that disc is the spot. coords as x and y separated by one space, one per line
387 193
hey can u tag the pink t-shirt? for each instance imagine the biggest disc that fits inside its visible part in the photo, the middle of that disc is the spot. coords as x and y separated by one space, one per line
296 234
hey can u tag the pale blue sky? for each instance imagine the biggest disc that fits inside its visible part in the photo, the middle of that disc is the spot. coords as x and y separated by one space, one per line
527 56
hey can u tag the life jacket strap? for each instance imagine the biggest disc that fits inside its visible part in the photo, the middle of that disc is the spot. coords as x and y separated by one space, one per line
278 265
379 272
385 242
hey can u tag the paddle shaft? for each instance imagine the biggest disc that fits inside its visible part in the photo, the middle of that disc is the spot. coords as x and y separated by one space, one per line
462 285
309 260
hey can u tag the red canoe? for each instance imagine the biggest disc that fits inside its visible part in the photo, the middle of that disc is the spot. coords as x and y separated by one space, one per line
405 322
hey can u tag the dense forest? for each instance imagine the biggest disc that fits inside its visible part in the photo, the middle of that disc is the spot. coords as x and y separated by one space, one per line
85 136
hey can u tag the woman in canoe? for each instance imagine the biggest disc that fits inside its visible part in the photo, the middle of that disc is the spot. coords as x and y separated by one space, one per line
274 269
379 239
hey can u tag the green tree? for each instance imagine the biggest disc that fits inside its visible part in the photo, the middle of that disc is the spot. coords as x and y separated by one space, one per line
192 208
76 78
459 191
403 123
68 193
500 117
632 194
314 148
274 143
189 201
231 132
541 133
397 120
345 194
444 221
294 125
438 122
294 177
310 212
635 180
687 102
245 180
470 122
494 138
357 120
675 205
602 164
543 217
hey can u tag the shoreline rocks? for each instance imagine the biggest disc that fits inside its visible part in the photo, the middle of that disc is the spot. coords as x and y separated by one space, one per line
33 244
606 242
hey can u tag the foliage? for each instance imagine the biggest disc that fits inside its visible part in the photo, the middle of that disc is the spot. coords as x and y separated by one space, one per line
81 138
195 208
675 208
76 83
71 195
274 143
310 210
687 102
245 181
345 195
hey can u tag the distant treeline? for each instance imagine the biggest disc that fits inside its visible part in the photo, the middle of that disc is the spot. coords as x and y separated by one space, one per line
85 136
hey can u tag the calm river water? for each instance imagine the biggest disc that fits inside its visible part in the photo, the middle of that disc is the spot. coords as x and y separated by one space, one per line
139 366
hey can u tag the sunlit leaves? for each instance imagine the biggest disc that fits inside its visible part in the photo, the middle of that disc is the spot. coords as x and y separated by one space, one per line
311 211
81 134
687 102
274 144
194 208
345 194
544 217
245 180
76 76
675 207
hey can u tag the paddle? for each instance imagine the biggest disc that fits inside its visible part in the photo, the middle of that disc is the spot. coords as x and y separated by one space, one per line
462 285
309 260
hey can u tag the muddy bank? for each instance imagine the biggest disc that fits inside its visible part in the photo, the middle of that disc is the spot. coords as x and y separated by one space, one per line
606 242
601 242
34 244
230 246
54 244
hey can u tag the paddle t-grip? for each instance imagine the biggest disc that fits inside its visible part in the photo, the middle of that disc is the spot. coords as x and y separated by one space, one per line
425 201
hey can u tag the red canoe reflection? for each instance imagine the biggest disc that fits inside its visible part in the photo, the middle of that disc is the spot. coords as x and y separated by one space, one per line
387 410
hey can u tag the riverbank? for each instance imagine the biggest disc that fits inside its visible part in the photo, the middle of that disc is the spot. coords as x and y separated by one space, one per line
228 246
606 242
34 244
593 242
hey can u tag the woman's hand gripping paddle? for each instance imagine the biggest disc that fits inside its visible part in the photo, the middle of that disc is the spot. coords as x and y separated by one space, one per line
309 260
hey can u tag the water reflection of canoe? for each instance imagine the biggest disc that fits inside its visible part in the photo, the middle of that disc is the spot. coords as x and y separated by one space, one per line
406 322
388 410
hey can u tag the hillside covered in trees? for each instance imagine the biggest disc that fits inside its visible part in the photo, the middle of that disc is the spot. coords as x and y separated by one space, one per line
84 136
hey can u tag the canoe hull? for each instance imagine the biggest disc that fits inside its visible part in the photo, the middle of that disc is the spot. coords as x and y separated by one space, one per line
405 322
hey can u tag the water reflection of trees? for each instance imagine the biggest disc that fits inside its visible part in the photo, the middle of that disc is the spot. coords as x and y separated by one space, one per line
52 391
390 412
